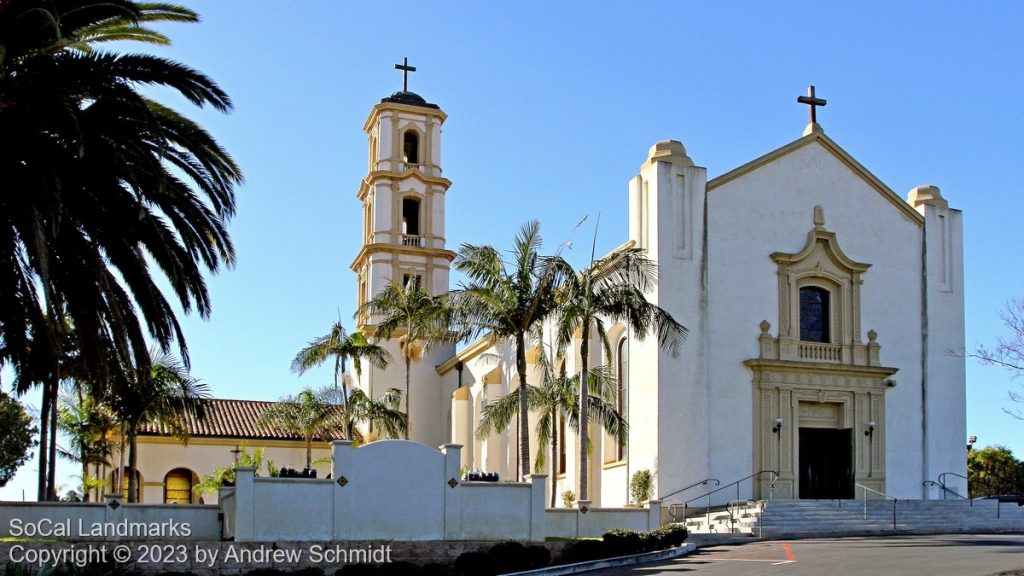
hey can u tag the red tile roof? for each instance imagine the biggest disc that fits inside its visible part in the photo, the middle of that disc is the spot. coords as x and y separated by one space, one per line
226 419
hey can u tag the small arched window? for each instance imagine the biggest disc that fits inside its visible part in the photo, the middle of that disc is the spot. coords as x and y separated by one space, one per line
178 486
411 147
815 312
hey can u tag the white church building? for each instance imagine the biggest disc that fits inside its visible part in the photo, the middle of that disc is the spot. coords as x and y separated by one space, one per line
824 314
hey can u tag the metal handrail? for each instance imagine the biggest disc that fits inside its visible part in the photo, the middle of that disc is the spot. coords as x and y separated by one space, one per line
942 477
883 495
945 489
704 482
707 509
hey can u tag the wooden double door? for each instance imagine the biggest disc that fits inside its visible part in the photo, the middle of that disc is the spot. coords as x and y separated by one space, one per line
826 463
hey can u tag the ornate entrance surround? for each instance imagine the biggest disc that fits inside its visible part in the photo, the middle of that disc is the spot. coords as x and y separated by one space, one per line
795 382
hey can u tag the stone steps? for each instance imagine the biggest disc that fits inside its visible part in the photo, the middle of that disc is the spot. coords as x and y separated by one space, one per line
832 517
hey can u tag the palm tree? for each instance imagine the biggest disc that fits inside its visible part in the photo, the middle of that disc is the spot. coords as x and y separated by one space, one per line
166 397
308 415
507 299
381 414
90 428
418 318
340 345
610 289
557 401
102 183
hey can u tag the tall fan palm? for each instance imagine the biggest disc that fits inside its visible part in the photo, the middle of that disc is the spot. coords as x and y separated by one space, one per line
610 289
419 320
101 184
166 397
340 345
507 299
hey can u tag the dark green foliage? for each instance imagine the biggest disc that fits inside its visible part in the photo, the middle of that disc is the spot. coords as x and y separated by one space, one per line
994 470
669 536
502 558
585 551
623 542
392 569
16 437
105 191
515 557
109 569
312 571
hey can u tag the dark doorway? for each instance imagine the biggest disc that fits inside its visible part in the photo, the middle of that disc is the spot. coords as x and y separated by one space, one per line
826 463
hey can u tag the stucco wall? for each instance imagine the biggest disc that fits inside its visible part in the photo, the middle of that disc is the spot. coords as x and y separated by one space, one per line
62 521
773 207
390 490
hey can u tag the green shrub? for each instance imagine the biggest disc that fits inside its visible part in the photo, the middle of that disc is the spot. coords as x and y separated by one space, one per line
669 536
503 557
473 564
584 551
622 542
641 487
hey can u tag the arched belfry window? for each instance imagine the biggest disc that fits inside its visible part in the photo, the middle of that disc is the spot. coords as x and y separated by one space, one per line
411 220
411 147
815 312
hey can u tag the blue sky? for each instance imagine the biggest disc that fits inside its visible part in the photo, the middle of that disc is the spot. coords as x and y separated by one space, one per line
552 107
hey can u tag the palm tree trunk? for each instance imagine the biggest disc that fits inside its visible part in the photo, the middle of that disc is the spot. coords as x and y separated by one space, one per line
119 483
51 471
408 421
44 435
344 386
584 413
85 479
309 452
133 477
524 414
554 456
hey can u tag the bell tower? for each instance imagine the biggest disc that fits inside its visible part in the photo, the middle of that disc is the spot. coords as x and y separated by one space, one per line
403 197
403 201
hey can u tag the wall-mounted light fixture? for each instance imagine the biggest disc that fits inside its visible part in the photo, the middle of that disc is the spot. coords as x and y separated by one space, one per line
971 441
870 431
777 430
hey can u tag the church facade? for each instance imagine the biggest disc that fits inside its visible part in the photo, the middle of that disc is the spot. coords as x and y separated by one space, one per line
825 314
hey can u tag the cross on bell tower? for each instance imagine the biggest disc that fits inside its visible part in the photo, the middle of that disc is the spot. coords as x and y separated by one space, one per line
405 68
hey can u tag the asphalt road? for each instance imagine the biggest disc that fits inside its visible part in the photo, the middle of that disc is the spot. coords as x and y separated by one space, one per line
948 555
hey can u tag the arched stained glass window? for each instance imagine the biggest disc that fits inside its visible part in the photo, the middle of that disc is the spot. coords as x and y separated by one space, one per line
815 310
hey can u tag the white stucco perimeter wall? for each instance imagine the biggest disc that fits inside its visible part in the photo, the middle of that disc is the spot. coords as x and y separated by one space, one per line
385 490
66 521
